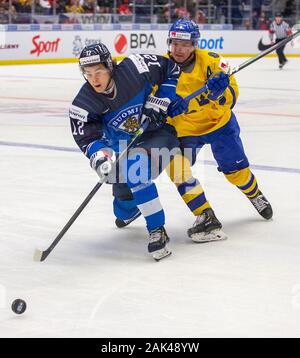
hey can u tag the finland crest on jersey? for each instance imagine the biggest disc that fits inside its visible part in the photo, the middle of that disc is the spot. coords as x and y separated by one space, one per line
127 120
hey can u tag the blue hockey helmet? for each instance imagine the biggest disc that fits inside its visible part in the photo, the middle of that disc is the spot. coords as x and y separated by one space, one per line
184 30
95 54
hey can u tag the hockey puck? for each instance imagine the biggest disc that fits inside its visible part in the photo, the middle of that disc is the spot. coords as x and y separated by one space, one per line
18 306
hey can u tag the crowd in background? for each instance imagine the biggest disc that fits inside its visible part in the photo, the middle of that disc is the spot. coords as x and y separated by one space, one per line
246 14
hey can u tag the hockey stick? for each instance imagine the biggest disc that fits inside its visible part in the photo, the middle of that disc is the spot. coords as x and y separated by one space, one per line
247 63
40 255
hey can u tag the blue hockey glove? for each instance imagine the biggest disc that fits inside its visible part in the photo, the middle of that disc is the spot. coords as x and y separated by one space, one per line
177 107
102 162
217 84
155 111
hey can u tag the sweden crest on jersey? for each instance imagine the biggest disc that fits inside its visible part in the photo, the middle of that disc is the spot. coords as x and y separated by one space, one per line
127 120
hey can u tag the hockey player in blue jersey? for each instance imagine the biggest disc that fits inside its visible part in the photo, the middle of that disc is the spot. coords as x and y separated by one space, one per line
107 111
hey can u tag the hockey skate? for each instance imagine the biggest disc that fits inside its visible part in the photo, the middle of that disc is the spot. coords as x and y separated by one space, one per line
262 205
207 228
157 246
282 64
122 223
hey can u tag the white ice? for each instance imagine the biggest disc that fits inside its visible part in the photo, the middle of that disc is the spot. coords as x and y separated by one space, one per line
100 281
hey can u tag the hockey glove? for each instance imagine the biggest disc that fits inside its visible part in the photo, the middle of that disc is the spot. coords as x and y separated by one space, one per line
102 161
177 107
216 85
155 111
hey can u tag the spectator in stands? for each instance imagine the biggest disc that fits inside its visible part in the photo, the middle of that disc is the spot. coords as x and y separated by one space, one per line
163 15
4 4
105 6
3 13
143 11
166 15
255 18
182 13
247 24
257 4
88 6
222 11
22 6
236 14
43 7
74 7
61 6
124 8
12 12
166 11
263 22
201 18
21 12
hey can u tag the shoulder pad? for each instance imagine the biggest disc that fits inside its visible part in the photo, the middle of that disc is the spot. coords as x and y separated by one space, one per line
139 63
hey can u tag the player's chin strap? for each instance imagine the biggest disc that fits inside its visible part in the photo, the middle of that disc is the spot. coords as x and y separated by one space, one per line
111 80
110 88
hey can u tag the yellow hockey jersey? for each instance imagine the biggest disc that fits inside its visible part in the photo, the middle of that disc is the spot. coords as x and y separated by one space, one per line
204 116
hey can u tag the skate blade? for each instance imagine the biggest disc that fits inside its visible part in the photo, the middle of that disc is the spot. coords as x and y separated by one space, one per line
214 235
161 254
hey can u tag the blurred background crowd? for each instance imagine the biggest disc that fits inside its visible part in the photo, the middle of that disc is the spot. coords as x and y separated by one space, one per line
241 14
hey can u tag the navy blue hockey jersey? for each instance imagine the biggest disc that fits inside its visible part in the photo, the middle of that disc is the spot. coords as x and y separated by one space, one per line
98 121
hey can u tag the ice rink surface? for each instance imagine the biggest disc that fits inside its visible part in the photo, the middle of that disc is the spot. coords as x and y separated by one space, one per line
100 281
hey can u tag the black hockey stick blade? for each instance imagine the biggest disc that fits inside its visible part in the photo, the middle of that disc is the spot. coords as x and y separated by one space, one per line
40 255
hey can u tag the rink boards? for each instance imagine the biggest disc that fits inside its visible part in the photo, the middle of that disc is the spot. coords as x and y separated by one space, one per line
50 44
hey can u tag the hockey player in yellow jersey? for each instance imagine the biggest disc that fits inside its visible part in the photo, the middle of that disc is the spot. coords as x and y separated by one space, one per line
208 119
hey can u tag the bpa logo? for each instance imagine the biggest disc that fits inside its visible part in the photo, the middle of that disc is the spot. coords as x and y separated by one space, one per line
120 43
